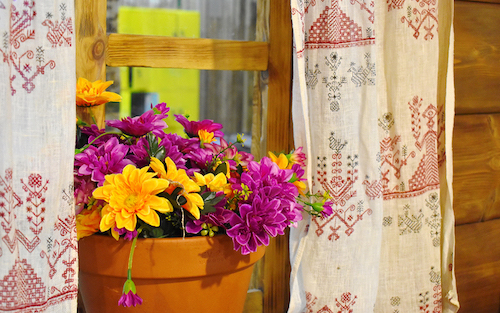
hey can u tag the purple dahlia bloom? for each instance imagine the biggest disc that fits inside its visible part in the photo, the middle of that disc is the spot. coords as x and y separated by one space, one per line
140 154
98 162
192 127
93 132
138 126
255 224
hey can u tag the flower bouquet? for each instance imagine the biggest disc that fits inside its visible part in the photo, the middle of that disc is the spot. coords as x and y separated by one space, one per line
143 182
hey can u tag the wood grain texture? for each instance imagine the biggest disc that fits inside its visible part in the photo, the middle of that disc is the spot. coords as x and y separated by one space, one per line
477 57
190 53
476 162
276 260
90 36
478 267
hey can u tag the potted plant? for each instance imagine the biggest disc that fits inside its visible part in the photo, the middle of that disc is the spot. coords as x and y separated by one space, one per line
186 210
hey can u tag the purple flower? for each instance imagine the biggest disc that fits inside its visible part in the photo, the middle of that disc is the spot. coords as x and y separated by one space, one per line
218 218
192 127
83 191
130 299
129 235
327 209
98 162
138 126
93 132
255 224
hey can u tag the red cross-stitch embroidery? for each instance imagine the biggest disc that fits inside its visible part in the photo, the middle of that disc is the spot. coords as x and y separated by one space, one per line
394 157
59 33
9 200
424 17
27 64
341 189
311 301
335 29
395 4
21 288
61 247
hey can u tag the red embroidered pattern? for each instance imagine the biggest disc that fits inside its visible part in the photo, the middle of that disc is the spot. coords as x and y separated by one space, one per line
424 17
9 200
334 29
21 287
344 305
28 64
57 250
394 157
341 189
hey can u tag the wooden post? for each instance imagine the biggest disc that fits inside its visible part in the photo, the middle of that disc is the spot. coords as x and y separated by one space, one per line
90 32
278 134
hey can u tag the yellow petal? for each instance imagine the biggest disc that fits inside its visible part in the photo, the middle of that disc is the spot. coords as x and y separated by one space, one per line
152 218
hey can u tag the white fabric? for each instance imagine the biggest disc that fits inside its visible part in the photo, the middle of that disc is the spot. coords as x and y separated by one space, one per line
373 86
38 248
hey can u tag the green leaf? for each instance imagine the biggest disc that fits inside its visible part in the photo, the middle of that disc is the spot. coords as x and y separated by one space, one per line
222 168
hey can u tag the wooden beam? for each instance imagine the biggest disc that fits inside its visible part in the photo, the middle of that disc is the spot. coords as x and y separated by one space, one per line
476 167
190 53
477 267
90 34
477 57
276 260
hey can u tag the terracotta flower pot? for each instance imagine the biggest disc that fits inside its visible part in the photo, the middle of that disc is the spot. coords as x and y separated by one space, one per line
197 274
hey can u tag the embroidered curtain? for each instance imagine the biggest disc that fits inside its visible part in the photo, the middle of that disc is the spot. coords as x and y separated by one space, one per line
374 103
38 248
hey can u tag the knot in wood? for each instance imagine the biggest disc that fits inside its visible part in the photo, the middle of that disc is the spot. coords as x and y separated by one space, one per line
98 49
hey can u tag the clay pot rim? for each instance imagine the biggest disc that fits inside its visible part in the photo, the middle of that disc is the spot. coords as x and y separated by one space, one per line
164 257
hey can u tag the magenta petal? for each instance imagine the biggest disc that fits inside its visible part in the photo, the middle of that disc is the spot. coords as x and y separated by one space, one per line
130 299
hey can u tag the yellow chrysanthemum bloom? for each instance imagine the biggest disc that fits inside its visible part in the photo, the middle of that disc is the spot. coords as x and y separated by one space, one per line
179 179
87 222
91 94
213 182
131 195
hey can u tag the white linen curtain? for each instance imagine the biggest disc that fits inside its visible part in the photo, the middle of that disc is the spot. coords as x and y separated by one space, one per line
38 248
373 87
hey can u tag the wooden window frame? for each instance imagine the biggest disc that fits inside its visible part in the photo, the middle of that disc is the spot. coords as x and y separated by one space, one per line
95 49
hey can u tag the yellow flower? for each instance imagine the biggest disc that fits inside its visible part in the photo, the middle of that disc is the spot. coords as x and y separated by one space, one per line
132 195
188 189
87 221
214 183
91 94
205 137
281 160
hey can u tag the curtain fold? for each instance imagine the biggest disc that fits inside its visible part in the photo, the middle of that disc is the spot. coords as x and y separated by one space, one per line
374 104
38 248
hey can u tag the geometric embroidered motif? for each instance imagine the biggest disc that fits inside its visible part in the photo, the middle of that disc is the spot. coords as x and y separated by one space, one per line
27 64
21 287
394 156
423 15
334 29
340 188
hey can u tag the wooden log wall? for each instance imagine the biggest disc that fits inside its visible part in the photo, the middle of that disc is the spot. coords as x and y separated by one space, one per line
476 145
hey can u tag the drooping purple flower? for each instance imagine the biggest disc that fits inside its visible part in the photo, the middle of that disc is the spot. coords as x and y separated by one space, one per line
138 126
130 299
192 127
256 223
109 158
327 209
